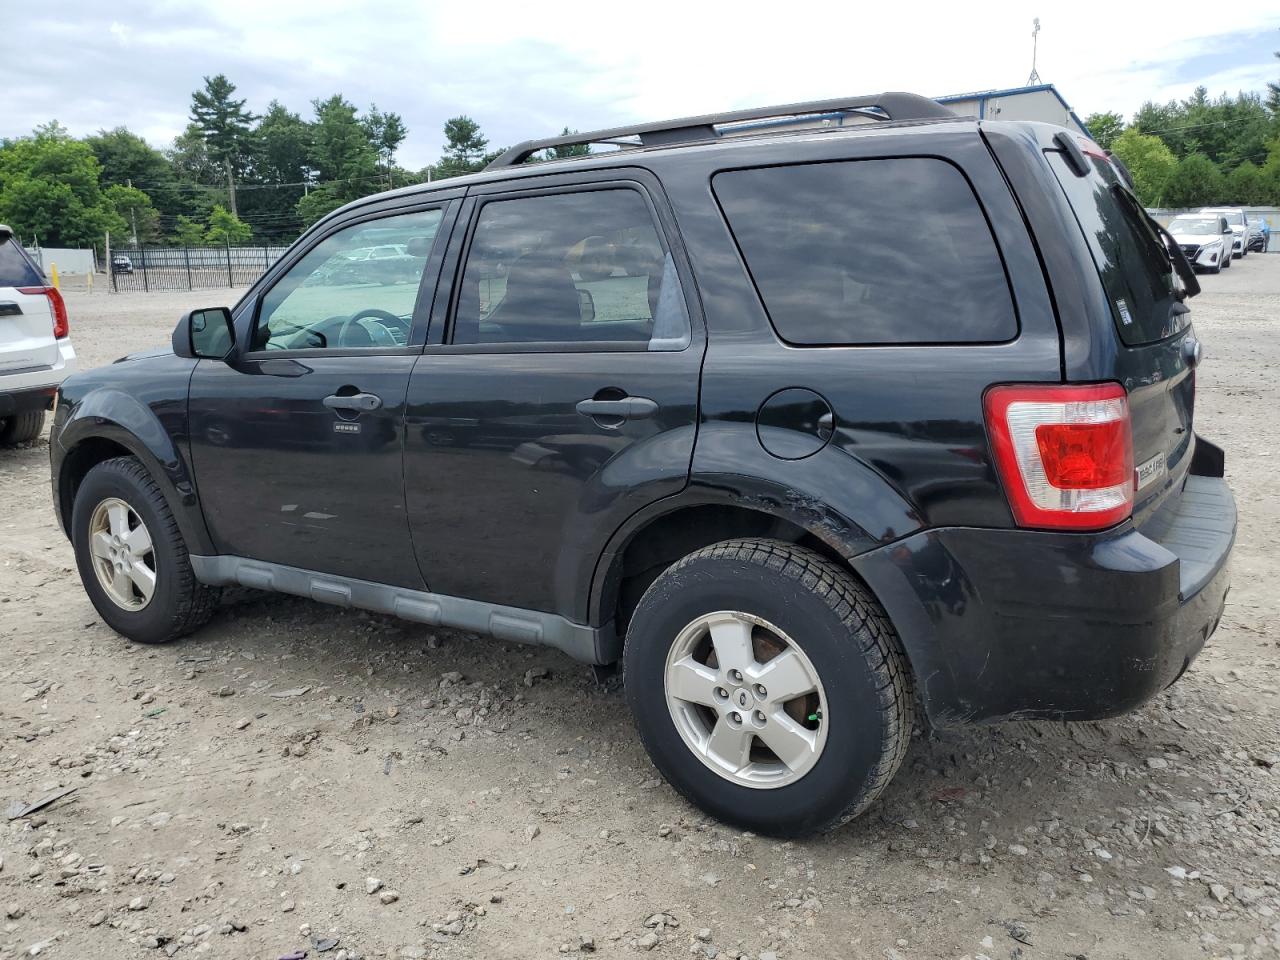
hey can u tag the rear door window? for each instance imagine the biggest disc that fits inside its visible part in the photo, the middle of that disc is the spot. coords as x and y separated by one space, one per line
892 251
1130 257
15 269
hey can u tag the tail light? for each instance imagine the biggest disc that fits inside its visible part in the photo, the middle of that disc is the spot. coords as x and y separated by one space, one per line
1064 453
57 307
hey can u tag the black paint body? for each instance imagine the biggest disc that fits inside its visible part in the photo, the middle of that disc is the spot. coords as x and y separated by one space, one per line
478 477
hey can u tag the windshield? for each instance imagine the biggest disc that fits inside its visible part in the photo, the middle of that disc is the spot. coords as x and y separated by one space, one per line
1184 225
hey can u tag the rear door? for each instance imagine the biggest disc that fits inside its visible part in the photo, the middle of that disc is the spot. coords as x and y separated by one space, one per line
26 318
1151 323
564 396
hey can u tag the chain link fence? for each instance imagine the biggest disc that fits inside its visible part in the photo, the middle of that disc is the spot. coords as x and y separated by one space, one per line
146 268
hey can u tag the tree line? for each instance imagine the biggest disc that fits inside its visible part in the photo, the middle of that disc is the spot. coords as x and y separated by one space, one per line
1200 151
232 176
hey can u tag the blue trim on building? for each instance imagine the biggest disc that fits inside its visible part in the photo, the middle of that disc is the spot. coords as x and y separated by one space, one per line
982 96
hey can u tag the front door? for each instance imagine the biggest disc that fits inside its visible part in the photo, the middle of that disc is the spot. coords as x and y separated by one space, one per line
563 400
297 440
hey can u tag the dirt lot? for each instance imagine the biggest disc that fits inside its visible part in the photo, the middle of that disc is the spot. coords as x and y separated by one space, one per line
295 775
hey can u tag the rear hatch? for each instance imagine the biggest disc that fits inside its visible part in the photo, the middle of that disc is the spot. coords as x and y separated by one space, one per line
1150 320
26 319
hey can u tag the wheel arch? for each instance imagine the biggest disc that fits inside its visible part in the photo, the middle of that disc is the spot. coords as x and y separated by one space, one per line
657 537
111 424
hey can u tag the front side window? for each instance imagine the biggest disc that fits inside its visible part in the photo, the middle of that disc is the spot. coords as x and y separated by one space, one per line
891 251
356 288
588 267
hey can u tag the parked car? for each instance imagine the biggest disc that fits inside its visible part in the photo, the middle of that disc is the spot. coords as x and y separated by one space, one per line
121 264
1261 235
1239 221
35 343
1205 240
799 474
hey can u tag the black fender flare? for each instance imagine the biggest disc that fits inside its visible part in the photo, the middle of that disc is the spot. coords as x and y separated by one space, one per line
111 414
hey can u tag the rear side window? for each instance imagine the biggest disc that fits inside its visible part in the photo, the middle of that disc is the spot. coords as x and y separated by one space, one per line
580 268
15 269
1131 259
869 252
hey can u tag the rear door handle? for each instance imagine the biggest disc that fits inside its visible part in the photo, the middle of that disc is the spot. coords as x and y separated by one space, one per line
626 408
357 401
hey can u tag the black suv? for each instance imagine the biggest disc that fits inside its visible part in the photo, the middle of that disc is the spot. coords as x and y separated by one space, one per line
706 406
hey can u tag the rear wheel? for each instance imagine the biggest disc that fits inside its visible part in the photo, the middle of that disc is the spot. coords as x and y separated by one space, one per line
768 686
132 559
21 428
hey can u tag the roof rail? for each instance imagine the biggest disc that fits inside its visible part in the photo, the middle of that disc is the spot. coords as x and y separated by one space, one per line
880 106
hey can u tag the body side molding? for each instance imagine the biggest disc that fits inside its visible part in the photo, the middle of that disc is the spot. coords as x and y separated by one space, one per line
583 643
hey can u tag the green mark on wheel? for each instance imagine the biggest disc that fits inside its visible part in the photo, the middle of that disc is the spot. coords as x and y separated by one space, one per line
815 717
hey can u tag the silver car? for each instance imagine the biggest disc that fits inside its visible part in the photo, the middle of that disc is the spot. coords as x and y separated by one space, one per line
1239 221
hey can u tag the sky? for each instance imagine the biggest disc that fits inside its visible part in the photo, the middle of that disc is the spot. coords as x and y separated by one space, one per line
525 70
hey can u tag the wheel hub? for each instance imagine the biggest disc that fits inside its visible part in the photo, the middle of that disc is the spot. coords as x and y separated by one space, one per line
122 554
734 686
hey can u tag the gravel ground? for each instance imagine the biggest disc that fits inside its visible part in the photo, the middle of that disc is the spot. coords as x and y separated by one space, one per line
296 777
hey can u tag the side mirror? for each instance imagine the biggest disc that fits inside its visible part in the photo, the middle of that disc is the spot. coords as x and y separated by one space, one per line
205 334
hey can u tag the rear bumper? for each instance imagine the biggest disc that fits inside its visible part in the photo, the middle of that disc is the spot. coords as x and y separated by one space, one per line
1018 624
33 388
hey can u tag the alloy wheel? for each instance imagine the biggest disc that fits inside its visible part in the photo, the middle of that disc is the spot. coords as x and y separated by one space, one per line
746 700
124 558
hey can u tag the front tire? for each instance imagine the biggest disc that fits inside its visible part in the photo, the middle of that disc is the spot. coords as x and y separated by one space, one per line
132 558
768 686
21 428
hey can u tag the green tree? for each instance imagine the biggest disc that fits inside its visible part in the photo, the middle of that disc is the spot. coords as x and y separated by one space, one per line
187 232
386 131
226 227
135 209
1150 162
1195 182
226 126
1104 127
571 150
129 160
1245 185
464 150
49 190
318 203
341 153
282 166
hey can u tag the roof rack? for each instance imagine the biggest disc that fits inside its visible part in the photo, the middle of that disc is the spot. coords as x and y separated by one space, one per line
879 106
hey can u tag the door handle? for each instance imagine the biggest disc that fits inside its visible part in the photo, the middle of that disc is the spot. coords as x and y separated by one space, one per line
626 408
358 401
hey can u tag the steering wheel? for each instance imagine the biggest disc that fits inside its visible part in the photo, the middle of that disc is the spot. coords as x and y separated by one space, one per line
377 335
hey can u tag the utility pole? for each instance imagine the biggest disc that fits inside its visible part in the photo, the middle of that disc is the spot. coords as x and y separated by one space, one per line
133 215
1034 79
231 185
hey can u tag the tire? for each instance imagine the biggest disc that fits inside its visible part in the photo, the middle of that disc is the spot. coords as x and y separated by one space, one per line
177 603
846 640
21 428
1216 268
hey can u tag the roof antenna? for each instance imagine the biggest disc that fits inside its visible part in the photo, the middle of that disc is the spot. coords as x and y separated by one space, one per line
1034 79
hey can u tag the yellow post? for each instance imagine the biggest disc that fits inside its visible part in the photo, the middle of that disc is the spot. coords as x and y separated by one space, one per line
53 272
90 276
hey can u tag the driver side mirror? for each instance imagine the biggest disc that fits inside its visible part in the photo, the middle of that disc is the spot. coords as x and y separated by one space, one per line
205 334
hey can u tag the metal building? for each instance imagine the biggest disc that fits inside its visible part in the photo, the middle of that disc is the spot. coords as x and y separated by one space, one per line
1040 102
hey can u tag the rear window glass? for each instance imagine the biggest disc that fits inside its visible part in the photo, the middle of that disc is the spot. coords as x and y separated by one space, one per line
869 252
15 269
1131 258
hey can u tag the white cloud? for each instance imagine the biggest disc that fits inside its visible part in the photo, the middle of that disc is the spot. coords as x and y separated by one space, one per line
525 69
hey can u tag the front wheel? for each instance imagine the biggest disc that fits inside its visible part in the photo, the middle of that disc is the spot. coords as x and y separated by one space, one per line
132 558
768 686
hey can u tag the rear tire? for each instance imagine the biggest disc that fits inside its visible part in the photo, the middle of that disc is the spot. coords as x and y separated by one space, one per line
21 428
132 558
838 744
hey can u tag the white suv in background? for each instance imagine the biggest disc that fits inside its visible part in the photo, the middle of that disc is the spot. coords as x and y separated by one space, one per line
1205 239
1239 221
35 349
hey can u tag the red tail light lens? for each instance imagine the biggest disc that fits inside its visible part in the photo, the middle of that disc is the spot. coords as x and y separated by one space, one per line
1064 453
57 307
